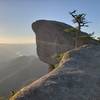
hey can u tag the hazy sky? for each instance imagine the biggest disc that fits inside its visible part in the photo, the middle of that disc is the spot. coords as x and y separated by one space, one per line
16 16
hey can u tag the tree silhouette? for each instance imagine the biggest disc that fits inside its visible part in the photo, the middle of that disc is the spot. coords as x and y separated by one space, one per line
98 39
81 22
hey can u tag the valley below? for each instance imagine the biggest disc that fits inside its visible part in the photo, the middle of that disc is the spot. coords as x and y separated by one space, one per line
19 65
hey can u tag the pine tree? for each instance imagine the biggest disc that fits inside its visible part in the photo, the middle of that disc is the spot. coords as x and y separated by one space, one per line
80 20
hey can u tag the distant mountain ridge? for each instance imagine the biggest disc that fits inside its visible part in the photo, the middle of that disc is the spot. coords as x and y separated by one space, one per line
17 70
10 51
77 74
20 71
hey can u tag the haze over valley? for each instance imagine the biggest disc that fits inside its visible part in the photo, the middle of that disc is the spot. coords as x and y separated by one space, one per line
19 65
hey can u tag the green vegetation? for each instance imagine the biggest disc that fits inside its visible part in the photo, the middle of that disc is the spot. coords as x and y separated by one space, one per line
12 93
59 56
85 39
51 67
98 39
81 22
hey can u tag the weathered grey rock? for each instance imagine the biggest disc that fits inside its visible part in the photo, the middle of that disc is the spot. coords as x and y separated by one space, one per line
52 39
76 78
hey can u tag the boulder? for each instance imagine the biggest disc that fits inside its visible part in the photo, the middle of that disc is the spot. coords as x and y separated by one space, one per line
52 39
77 77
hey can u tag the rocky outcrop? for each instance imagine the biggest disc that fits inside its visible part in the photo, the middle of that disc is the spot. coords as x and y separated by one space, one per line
77 77
52 39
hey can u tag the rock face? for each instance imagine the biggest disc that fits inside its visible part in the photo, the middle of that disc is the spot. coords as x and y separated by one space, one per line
76 78
52 39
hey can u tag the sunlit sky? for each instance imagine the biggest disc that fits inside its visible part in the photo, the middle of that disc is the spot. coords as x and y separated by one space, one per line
16 16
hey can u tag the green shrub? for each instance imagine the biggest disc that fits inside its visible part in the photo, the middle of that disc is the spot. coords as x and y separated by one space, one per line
59 56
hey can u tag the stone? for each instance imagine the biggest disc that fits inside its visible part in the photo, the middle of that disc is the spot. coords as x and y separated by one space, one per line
77 77
52 39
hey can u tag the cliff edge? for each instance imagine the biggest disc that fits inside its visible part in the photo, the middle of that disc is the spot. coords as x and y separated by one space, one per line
52 39
77 76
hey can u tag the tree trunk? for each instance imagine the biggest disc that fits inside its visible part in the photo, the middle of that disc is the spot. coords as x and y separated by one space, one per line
77 36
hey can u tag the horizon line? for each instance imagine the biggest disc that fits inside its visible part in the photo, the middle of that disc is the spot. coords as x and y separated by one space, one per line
15 43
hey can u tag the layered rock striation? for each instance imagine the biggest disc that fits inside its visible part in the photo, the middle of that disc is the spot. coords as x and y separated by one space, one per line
52 39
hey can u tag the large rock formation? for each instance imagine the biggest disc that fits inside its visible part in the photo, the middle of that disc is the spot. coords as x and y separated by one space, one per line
76 78
52 39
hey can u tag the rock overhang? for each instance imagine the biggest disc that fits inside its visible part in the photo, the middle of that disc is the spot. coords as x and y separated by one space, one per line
52 39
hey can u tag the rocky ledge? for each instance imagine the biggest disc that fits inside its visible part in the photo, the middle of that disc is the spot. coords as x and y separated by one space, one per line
52 39
77 77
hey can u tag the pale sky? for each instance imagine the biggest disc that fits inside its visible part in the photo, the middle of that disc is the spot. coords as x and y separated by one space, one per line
16 16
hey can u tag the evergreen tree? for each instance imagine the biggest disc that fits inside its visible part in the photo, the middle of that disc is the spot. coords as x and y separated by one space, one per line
80 20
